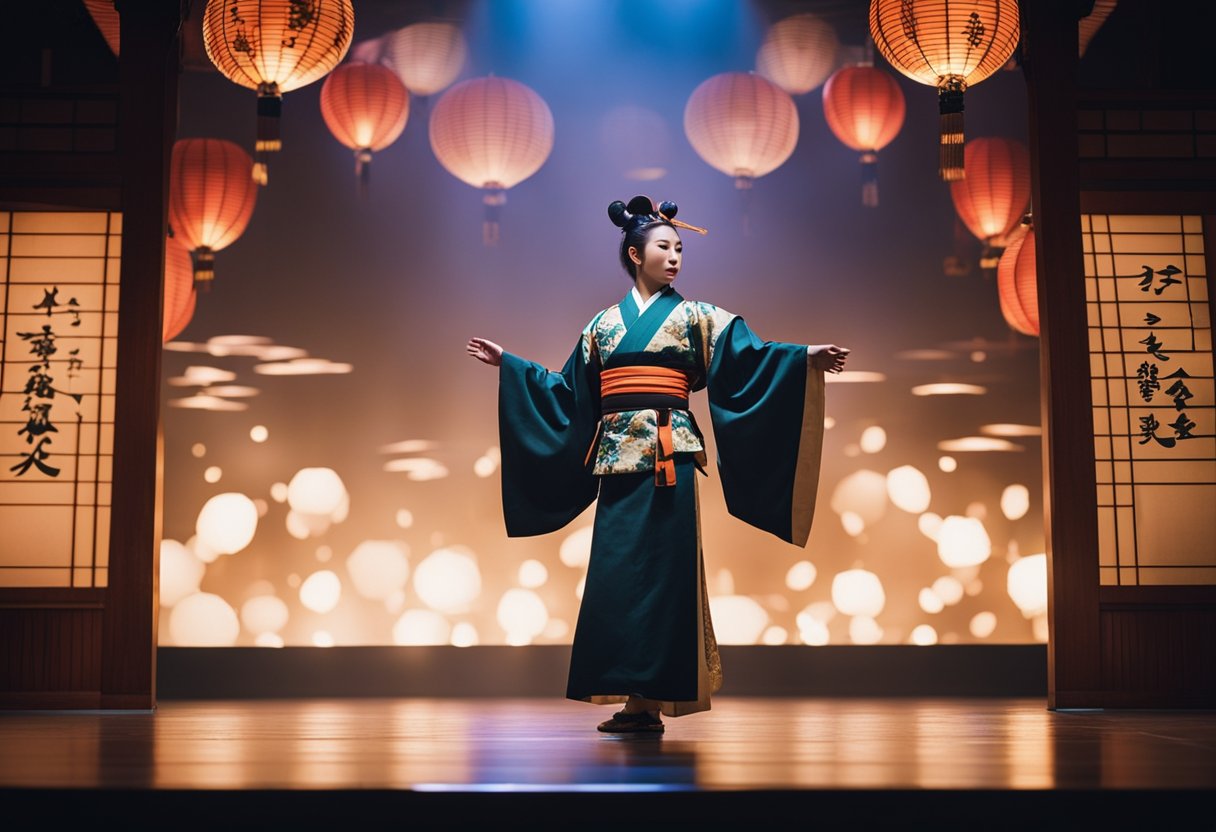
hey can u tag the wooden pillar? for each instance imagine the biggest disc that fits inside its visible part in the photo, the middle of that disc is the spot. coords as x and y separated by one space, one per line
148 70
1049 44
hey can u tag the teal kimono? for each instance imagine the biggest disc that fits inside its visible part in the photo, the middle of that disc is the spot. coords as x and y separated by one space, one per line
644 625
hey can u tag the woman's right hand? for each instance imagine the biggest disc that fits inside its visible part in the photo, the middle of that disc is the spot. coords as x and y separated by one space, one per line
484 351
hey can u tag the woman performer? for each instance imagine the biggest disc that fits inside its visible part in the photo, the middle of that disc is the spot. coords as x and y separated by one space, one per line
615 423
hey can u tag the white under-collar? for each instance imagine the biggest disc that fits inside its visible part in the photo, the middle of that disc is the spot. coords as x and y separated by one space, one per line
637 298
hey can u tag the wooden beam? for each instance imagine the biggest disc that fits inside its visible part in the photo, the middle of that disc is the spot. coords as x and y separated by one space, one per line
1049 49
147 110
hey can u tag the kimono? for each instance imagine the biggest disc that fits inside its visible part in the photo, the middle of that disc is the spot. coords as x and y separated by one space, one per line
568 438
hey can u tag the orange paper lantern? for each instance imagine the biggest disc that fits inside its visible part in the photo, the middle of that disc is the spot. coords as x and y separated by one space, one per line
948 44
427 56
741 124
179 290
211 198
864 107
365 106
275 46
798 53
492 133
106 17
1017 286
993 197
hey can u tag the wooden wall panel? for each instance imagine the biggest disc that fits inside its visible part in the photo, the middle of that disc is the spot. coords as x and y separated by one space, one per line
1160 657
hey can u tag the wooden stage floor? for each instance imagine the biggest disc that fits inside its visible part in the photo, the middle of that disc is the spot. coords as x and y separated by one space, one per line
992 763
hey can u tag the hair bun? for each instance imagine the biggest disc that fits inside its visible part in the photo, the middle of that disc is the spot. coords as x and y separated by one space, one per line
668 209
640 206
619 214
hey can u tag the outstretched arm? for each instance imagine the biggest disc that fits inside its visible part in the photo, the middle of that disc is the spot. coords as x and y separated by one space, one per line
484 351
828 357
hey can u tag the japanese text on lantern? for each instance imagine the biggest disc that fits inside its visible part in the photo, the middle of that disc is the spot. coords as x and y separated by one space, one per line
1150 346
58 339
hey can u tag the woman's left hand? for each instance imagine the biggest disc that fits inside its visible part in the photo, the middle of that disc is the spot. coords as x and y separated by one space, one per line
828 357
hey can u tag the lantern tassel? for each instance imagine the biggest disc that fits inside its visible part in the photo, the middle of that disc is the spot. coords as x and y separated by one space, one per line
270 109
950 105
869 179
203 260
363 166
495 197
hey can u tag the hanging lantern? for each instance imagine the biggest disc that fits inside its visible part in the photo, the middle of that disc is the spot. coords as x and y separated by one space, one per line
365 106
992 198
211 198
1017 286
179 291
948 44
1090 24
864 106
741 124
492 133
275 46
427 57
798 53
105 16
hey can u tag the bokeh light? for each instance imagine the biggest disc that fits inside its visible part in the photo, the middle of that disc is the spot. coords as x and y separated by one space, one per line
983 624
259 433
929 525
864 630
264 614
949 589
924 635
404 518
801 575
575 550
203 620
322 638
180 572
464 634
947 464
737 619
858 592
522 614
421 627
532 573
1027 584
1015 501
321 591
863 493
963 541
775 635
268 640
448 580
873 439
315 491
213 474
227 522
930 601
908 489
378 568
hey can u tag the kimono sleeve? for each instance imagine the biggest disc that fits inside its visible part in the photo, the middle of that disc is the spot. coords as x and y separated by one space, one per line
546 422
766 403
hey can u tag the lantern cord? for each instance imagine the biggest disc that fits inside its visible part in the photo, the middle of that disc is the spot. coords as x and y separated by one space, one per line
950 105
869 179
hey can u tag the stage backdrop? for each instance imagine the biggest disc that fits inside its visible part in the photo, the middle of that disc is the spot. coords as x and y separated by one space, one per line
333 338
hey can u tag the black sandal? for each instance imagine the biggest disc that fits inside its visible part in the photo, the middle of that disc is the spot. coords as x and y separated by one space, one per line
623 723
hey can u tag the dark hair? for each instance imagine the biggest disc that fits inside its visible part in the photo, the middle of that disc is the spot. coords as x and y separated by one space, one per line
637 220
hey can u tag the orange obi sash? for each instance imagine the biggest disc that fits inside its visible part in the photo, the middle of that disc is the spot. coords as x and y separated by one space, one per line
661 389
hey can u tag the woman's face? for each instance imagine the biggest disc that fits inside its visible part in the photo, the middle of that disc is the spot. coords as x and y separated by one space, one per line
660 262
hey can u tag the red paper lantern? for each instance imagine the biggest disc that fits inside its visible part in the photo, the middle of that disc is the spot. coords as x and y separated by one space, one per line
492 133
365 106
1016 285
179 290
211 198
865 108
992 198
